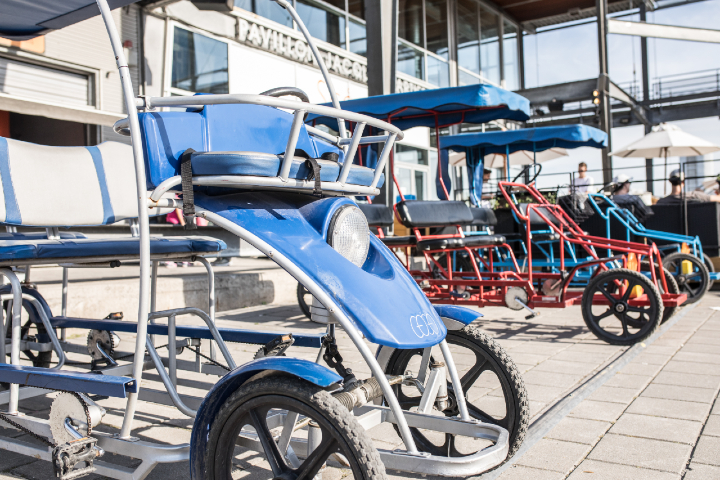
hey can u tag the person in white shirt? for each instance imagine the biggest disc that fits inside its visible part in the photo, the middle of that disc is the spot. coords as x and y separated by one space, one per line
487 189
583 183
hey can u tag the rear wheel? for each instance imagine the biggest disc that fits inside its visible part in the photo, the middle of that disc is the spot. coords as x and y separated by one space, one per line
304 299
672 287
32 330
254 418
610 312
493 387
690 273
711 268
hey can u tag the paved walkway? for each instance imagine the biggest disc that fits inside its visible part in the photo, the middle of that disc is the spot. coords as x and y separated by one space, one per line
598 411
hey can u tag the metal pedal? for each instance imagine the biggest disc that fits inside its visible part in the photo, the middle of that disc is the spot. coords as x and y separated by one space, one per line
68 455
278 345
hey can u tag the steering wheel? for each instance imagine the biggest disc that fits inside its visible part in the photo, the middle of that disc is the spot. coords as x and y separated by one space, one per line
535 166
287 91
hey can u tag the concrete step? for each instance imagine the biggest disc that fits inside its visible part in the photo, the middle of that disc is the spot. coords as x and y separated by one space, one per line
95 292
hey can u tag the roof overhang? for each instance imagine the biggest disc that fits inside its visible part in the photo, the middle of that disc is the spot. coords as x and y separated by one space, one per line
28 106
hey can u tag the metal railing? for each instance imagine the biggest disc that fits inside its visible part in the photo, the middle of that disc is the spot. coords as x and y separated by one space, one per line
677 85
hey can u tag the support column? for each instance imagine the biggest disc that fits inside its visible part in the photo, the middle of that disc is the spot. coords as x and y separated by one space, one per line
381 25
605 111
649 174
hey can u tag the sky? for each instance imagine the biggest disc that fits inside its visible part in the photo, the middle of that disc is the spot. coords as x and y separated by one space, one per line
571 54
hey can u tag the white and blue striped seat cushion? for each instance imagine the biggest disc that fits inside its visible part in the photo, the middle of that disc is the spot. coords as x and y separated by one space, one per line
66 186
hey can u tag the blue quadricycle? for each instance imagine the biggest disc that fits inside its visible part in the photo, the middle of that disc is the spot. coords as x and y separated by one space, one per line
248 165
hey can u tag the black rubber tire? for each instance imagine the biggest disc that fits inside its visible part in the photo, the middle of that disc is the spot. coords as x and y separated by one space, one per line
301 293
672 285
305 398
711 269
653 312
517 408
38 359
674 260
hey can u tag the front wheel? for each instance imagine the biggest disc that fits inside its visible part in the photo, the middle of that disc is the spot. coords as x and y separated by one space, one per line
319 429
492 385
622 307
690 273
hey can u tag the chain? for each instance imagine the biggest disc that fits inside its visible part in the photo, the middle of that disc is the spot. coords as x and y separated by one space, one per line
208 358
6 418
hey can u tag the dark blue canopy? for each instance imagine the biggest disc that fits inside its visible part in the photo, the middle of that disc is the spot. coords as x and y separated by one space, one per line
477 145
25 19
537 139
470 104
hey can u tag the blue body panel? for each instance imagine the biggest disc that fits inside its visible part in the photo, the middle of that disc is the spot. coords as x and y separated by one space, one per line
381 298
90 383
469 104
185 331
228 384
461 314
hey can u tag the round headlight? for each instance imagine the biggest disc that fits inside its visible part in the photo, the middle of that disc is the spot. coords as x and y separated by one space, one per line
349 234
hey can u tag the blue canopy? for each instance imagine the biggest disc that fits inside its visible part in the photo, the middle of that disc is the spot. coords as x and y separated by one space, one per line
25 19
469 104
477 145
531 139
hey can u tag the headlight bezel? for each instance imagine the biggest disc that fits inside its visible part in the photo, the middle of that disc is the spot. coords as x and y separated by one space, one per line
344 213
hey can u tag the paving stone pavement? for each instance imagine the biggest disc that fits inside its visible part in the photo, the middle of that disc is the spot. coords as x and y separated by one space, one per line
658 417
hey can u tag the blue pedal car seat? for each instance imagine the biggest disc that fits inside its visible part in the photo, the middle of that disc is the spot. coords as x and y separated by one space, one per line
236 140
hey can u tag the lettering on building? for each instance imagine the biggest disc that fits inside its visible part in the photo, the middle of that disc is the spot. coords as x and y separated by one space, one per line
403 86
276 42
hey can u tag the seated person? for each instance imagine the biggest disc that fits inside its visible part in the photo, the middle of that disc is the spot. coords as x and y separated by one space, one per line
487 190
622 197
677 182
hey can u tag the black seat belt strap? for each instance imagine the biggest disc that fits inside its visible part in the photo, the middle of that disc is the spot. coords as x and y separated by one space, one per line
314 173
187 189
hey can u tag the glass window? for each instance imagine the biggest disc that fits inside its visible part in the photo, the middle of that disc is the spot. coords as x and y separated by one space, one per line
420 184
358 38
437 27
468 36
510 56
337 3
269 10
410 21
408 154
438 72
411 61
322 24
357 8
465 78
489 46
200 64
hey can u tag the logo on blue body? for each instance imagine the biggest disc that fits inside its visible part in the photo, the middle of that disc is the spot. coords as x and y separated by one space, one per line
424 325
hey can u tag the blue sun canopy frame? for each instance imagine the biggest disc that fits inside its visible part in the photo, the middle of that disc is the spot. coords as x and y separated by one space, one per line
477 145
26 19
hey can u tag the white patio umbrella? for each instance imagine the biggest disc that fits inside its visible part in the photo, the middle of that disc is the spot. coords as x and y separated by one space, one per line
666 140
522 157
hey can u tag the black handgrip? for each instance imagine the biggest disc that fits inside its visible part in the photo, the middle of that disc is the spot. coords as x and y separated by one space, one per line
285 91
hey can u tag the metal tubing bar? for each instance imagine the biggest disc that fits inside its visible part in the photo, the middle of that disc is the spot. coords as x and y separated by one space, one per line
366 140
167 381
50 331
291 144
241 181
455 378
211 326
153 292
172 351
329 303
63 310
15 338
211 296
232 98
350 156
318 58
144 291
383 158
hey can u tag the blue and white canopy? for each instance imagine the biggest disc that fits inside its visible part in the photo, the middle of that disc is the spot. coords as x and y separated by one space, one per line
477 145
26 19
469 104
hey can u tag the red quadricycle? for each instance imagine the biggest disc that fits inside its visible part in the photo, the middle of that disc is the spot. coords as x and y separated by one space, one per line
620 304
